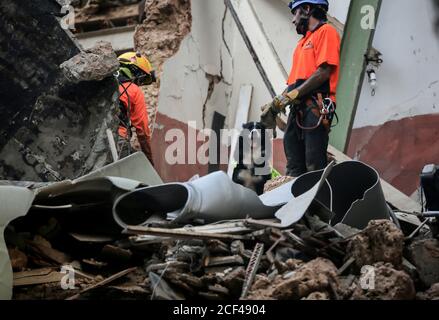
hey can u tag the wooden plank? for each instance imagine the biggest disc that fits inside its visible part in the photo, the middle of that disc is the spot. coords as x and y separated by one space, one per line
182 234
103 282
37 276
245 97
118 13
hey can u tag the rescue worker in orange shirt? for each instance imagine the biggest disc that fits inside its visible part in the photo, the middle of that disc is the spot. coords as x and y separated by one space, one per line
311 91
135 71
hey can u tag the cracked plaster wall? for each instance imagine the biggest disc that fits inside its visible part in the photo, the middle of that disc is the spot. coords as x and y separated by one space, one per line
213 63
197 81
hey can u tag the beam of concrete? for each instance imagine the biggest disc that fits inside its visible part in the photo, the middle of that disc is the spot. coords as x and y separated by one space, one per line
357 41
269 61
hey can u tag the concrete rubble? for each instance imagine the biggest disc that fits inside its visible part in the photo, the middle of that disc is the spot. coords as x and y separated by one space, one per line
425 256
94 64
119 232
390 284
51 128
381 241
192 259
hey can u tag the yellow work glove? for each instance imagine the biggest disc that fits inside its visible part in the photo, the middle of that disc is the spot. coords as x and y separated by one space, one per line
282 101
268 116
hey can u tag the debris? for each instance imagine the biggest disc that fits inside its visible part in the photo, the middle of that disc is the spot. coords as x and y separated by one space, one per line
18 259
252 269
315 276
430 294
345 266
103 282
95 264
52 129
43 254
161 290
317 296
183 234
234 281
387 284
110 252
276 183
37 276
425 256
224 261
381 241
94 64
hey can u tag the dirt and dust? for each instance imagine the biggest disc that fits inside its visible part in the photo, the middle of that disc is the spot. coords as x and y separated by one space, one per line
276 183
388 284
381 241
317 276
425 256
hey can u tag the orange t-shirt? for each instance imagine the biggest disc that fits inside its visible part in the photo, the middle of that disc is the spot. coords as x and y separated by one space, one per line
138 111
313 50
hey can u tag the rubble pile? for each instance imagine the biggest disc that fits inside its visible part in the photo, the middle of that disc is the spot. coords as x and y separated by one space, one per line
237 259
51 128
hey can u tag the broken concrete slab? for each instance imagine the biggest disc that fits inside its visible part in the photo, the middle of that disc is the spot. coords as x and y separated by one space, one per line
94 64
381 241
425 256
387 284
430 294
52 129
319 275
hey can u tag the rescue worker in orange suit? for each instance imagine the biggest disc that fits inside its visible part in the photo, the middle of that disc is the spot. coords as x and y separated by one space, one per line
135 71
311 91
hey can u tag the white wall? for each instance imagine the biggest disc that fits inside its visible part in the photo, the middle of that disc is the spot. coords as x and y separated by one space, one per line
408 80
339 9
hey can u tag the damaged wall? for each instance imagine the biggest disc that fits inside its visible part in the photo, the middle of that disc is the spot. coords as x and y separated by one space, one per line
402 117
51 129
159 37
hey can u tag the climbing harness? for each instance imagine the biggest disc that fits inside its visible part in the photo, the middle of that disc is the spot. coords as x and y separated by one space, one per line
323 109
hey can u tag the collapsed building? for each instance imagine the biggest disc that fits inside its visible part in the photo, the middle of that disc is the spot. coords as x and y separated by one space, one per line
52 128
148 236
